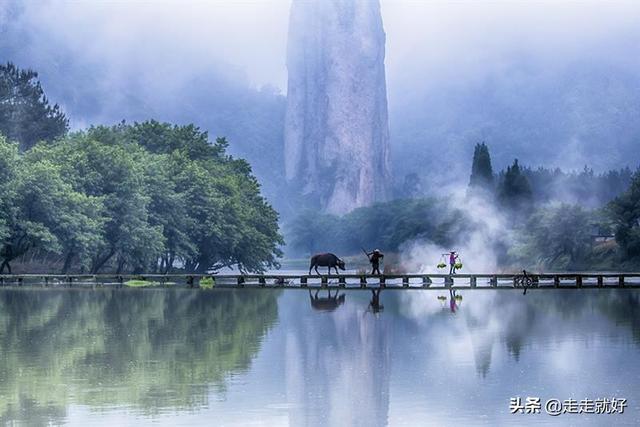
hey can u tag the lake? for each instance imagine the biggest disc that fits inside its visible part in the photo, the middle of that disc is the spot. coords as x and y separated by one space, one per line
271 357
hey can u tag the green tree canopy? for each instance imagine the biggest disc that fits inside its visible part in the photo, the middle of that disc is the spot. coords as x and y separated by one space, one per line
514 190
25 113
557 237
625 213
45 212
481 170
130 198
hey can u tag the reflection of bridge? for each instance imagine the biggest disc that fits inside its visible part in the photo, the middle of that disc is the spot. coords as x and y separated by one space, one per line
346 281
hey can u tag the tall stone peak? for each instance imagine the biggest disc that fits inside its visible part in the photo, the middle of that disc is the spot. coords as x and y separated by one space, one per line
336 127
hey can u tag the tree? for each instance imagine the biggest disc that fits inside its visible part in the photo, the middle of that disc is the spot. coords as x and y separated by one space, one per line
8 169
558 237
625 212
231 223
25 113
514 190
225 221
147 197
481 170
311 231
168 209
46 213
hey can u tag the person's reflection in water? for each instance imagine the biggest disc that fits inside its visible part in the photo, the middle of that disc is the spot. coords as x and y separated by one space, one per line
329 303
374 304
453 305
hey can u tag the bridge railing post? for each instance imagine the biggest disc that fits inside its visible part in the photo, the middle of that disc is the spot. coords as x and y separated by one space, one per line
621 281
303 282
448 281
473 281
578 281
363 281
426 281
405 281
600 281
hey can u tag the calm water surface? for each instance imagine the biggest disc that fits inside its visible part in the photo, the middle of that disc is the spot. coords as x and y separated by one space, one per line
268 357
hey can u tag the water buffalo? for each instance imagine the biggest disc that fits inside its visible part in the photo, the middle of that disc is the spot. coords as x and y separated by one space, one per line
329 303
326 260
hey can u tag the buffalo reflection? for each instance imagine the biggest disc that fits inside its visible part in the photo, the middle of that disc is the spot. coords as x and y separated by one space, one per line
328 303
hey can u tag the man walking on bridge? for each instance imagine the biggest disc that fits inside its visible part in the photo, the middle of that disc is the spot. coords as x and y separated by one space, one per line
374 259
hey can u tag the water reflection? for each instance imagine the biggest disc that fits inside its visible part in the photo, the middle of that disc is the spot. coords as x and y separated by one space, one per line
337 368
374 304
328 303
266 357
148 349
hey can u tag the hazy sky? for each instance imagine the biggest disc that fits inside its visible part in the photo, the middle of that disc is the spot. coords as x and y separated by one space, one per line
426 40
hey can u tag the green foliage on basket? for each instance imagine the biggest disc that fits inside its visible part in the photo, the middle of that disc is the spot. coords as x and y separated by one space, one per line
207 283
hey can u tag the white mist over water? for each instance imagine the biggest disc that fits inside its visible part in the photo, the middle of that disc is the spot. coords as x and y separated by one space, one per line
475 249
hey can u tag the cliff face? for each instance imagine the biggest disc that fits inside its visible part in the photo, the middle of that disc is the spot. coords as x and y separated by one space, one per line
336 129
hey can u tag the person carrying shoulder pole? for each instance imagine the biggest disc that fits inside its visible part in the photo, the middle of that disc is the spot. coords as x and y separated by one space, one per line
453 259
374 259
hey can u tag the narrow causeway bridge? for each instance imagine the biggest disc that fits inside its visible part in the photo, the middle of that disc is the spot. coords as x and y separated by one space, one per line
527 280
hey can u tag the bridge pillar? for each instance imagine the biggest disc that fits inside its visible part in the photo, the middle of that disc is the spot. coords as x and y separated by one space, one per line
448 282
363 281
405 282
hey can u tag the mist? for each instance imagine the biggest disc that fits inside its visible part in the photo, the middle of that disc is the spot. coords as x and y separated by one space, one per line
555 84
560 76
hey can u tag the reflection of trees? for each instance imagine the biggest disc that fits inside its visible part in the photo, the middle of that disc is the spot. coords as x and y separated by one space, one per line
148 349
518 320
622 308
